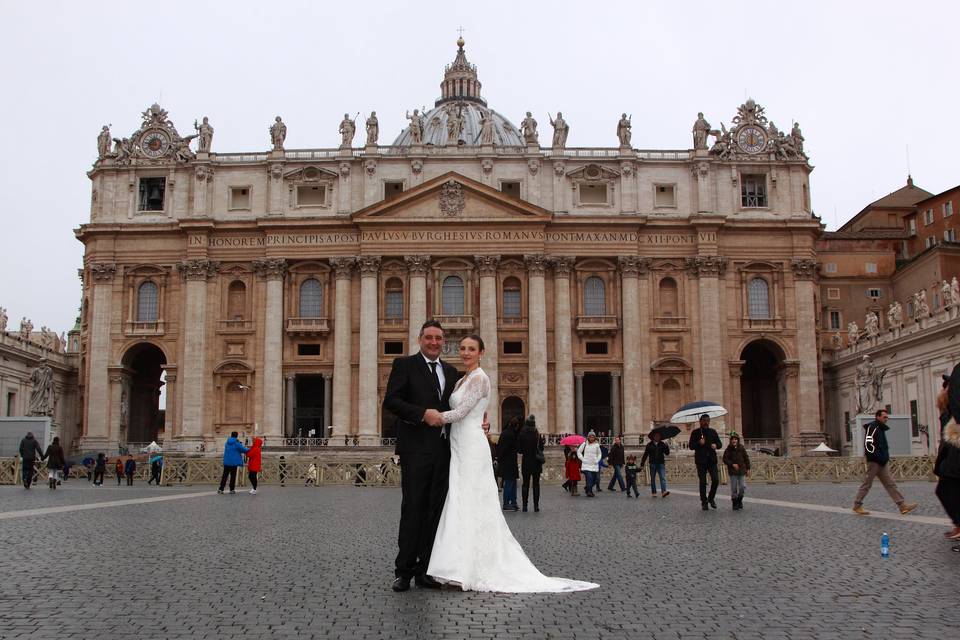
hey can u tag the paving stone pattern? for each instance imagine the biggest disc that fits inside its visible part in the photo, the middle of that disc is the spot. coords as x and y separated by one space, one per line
300 562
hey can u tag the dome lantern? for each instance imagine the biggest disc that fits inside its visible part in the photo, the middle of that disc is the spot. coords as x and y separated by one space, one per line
460 81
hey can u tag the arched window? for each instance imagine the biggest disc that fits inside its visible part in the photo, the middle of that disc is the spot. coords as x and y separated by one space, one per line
511 298
236 300
594 297
393 299
668 298
311 298
147 302
452 296
758 298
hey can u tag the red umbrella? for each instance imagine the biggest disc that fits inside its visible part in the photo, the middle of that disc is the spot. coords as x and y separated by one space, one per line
573 441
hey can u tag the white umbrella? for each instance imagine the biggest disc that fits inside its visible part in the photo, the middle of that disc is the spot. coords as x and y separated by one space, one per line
153 447
692 411
823 448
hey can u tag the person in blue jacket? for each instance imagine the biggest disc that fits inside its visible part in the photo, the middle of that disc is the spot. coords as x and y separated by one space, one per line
233 452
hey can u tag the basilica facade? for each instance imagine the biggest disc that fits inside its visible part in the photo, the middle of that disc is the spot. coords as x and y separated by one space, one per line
269 292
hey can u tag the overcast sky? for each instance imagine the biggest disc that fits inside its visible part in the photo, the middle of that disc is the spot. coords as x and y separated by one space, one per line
864 79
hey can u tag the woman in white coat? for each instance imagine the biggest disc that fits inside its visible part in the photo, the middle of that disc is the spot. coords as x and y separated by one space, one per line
590 454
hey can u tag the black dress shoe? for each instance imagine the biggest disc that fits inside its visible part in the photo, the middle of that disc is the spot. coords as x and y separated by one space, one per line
426 582
703 505
713 504
536 509
401 584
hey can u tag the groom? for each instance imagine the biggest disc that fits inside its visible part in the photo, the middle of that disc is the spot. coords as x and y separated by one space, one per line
418 390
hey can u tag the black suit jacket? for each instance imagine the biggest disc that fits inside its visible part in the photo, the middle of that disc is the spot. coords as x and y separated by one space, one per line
411 390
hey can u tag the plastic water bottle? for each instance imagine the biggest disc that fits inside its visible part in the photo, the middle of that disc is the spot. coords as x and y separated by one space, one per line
884 546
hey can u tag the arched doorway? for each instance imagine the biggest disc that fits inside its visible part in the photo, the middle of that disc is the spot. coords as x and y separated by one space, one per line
511 407
761 392
140 397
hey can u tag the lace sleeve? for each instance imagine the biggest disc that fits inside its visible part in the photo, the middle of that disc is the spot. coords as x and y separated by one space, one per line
475 389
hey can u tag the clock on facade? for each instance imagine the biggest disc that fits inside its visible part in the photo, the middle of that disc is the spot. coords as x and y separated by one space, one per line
752 139
154 143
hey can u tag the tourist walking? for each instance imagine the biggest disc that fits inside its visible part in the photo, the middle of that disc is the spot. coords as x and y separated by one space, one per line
311 475
947 470
589 454
704 442
129 468
530 444
656 453
233 451
738 468
29 450
254 463
55 462
877 452
156 465
118 470
616 460
99 468
631 470
571 468
507 464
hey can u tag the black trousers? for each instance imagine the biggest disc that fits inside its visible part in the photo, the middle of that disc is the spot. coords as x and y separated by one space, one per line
529 475
702 471
98 476
252 475
423 481
130 479
948 491
27 473
231 472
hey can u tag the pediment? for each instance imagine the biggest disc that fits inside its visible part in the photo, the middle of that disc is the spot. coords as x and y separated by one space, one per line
454 198
310 174
592 173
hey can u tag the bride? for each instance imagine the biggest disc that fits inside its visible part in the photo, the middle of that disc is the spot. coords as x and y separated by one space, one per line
474 548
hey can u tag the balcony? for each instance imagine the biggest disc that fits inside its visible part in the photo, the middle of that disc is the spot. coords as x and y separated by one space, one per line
235 326
513 322
762 324
597 325
670 322
393 324
308 326
155 328
456 323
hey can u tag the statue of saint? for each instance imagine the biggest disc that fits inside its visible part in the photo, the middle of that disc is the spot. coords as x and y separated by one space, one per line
26 328
872 325
955 292
946 297
103 142
623 130
560 130
529 129
42 400
63 342
837 341
347 130
895 315
454 125
3 319
797 138
278 133
373 129
205 133
486 128
869 386
920 307
700 130
853 334
416 126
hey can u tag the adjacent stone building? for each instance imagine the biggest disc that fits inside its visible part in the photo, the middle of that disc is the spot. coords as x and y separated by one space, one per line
270 291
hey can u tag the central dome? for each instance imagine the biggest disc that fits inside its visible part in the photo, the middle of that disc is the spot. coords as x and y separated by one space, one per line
460 94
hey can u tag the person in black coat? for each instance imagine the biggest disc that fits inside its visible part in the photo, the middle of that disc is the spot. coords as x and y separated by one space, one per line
418 389
530 445
99 469
704 442
29 450
55 462
507 464
947 470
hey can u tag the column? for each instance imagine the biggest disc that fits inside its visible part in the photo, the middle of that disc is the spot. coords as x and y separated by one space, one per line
565 421
701 171
117 431
808 379
487 268
537 339
170 420
327 404
195 274
273 271
369 429
578 386
615 403
735 416
708 270
291 407
342 345
634 408
96 432
417 313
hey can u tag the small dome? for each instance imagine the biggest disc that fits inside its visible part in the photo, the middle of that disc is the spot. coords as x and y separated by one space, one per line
435 127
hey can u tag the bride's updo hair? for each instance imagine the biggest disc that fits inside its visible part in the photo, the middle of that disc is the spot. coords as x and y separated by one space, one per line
478 339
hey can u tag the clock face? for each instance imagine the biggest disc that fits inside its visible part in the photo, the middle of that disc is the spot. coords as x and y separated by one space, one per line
154 143
752 139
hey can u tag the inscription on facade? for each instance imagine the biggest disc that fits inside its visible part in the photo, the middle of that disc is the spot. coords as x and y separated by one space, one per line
668 239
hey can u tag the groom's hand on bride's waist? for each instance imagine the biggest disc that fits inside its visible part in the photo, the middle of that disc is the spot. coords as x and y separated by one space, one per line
433 418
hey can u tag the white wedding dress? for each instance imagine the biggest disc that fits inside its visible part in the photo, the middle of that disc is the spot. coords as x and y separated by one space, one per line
474 548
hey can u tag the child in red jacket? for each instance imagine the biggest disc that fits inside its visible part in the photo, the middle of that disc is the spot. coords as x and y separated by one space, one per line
254 463
572 468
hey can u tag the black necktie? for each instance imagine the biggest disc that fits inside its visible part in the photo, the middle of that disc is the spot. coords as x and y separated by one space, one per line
436 380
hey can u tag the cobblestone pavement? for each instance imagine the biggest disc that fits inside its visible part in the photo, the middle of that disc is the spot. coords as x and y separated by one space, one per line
317 563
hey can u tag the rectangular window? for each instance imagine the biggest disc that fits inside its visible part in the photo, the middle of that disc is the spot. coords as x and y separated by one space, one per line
913 226
914 419
511 188
596 348
151 194
393 304
835 320
511 303
950 235
664 195
308 349
239 198
948 208
393 348
512 347
11 403
928 216
929 241
311 196
593 194
871 267
831 267
874 293
753 190
392 189
833 293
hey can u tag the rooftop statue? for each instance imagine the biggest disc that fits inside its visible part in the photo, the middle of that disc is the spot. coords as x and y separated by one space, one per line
454 124
205 132
853 334
529 129
623 130
348 129
560 130
701 129
103 142
872 325
373 129
278 133
486 128
26 328
895 315
416 126
3 319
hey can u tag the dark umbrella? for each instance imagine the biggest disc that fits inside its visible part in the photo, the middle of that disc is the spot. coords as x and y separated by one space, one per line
666 431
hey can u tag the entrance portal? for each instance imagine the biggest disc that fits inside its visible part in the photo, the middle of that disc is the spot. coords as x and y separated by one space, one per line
511 407
144 418
597 412
308 414
760 384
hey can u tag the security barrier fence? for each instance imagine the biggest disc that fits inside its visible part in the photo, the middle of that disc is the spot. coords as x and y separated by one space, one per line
381 470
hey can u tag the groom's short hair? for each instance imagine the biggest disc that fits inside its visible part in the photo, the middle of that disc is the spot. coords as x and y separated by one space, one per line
430 323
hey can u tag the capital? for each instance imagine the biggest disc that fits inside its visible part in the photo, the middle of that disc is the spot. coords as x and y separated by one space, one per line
804 268
198 269
368 265
633 266
536 264
103 272
706 266
487 265
562 265
342 267
417 265
270 268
